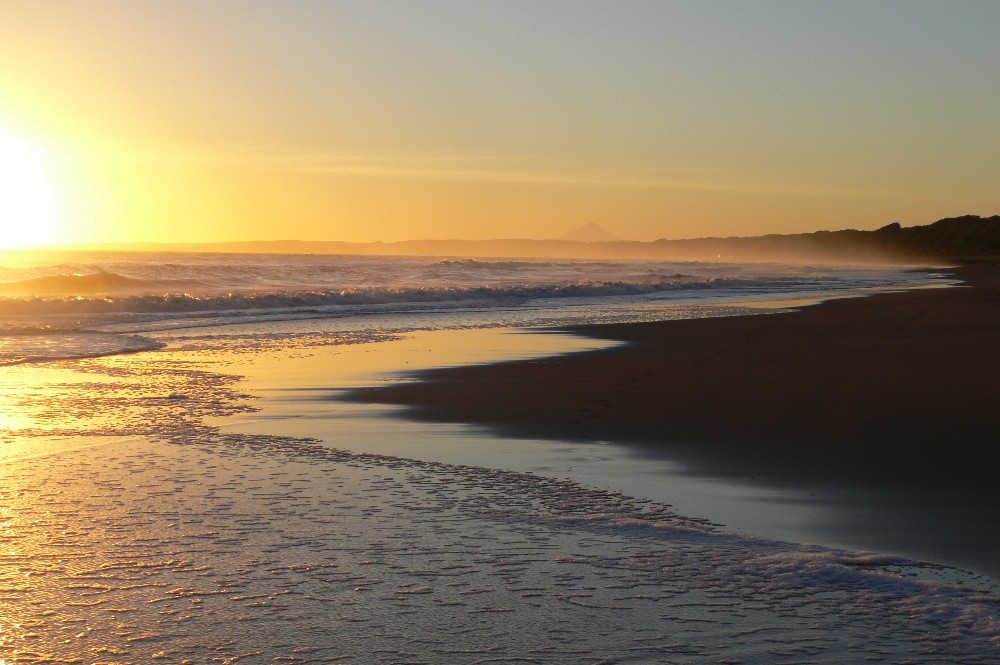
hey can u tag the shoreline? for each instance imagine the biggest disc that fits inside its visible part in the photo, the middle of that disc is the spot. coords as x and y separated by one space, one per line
882 406
248 537
898 387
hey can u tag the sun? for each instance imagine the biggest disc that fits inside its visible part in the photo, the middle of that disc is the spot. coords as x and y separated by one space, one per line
26 198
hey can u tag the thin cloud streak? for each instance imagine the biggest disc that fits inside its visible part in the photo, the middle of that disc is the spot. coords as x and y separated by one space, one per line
468 167
523 169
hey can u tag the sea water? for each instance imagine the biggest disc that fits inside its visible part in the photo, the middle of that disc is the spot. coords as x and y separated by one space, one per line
137 526
76 304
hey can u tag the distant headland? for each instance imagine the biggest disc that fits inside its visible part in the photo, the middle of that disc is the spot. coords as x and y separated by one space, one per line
950 239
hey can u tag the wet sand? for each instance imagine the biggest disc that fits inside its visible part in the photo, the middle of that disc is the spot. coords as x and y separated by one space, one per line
226 548
886 407
897 388
136 530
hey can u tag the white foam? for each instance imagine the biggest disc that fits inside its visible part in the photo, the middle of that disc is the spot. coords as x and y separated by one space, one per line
71 294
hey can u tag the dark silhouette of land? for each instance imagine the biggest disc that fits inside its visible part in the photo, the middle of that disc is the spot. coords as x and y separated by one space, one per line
965 237
590 233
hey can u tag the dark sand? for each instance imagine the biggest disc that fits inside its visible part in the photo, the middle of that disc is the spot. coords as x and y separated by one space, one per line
891 402
900 387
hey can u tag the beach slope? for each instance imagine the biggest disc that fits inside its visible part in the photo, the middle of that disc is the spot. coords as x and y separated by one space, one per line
900 387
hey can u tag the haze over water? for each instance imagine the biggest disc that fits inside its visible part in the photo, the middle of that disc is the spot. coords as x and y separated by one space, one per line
65 304
179 482
172 503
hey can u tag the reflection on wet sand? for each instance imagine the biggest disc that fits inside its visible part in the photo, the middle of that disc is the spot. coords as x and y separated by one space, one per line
177 541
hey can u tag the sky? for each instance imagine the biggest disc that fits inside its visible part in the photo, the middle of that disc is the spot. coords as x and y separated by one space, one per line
209 120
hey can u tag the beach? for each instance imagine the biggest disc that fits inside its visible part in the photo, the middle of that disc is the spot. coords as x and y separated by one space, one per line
891 398
223 495
891 388
160 537
242 549
465 333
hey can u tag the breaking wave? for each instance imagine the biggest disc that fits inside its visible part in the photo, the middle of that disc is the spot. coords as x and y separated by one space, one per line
516 294
81 304
93 283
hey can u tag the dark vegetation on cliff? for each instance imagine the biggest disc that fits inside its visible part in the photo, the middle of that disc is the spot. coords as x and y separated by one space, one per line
967 237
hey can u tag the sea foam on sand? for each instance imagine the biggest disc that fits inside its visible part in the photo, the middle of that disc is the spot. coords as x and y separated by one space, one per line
168 539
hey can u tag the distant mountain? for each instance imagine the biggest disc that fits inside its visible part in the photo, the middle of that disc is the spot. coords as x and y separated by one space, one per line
589 233
946 240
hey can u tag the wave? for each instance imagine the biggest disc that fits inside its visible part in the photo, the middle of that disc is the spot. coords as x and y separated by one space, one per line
101 282
503 295
67 345
473 263
478 264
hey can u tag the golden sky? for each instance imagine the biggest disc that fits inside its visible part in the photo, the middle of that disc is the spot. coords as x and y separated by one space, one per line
207 121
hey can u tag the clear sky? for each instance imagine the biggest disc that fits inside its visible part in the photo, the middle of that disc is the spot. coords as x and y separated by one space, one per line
211 120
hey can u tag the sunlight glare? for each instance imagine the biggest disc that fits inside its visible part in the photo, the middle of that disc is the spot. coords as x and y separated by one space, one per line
26 199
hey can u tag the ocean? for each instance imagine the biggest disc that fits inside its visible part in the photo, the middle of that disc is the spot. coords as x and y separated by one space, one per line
77 304
180 483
